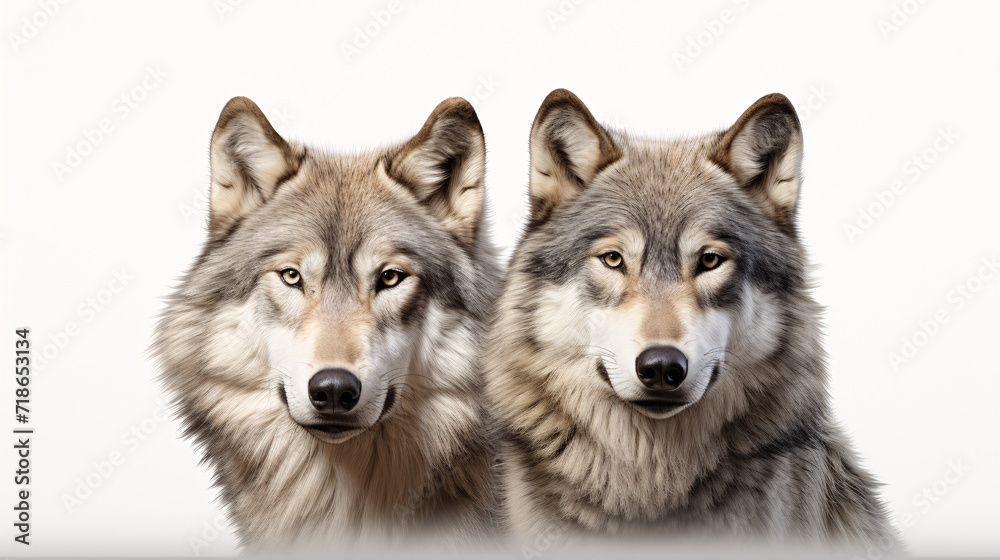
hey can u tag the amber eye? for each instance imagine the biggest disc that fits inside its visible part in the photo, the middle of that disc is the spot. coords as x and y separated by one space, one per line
612 259
390 277
291 277
710 261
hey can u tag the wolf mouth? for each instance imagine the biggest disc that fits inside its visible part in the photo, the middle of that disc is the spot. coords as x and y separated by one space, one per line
659 406
336 428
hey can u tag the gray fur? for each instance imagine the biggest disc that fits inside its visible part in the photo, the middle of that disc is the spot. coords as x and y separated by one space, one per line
759 454
425 468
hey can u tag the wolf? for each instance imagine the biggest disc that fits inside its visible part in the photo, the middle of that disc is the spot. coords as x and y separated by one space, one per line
324 350
656 360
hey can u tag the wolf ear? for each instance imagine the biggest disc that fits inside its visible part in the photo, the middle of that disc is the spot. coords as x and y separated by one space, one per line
763 150
568 147
249 162
444 165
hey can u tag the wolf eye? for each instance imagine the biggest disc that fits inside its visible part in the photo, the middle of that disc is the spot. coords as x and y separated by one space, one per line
709 261
389 278
612 259
291 277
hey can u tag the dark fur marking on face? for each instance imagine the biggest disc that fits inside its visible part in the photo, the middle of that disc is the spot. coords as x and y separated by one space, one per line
226 281
390 400
563 246
272 311
726 296
282 395
437 276
602 372
713 378
414 308
769 261
598 294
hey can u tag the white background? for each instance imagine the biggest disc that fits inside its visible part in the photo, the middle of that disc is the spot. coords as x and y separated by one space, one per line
870 98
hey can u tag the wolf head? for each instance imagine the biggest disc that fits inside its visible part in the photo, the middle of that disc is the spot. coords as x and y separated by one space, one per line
334 290
654 262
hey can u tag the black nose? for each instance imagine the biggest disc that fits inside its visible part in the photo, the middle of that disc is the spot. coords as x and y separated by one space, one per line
334 390
661 367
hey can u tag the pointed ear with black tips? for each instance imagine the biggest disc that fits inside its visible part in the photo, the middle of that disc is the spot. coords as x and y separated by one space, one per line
568 147
763 151
444 166
249 163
